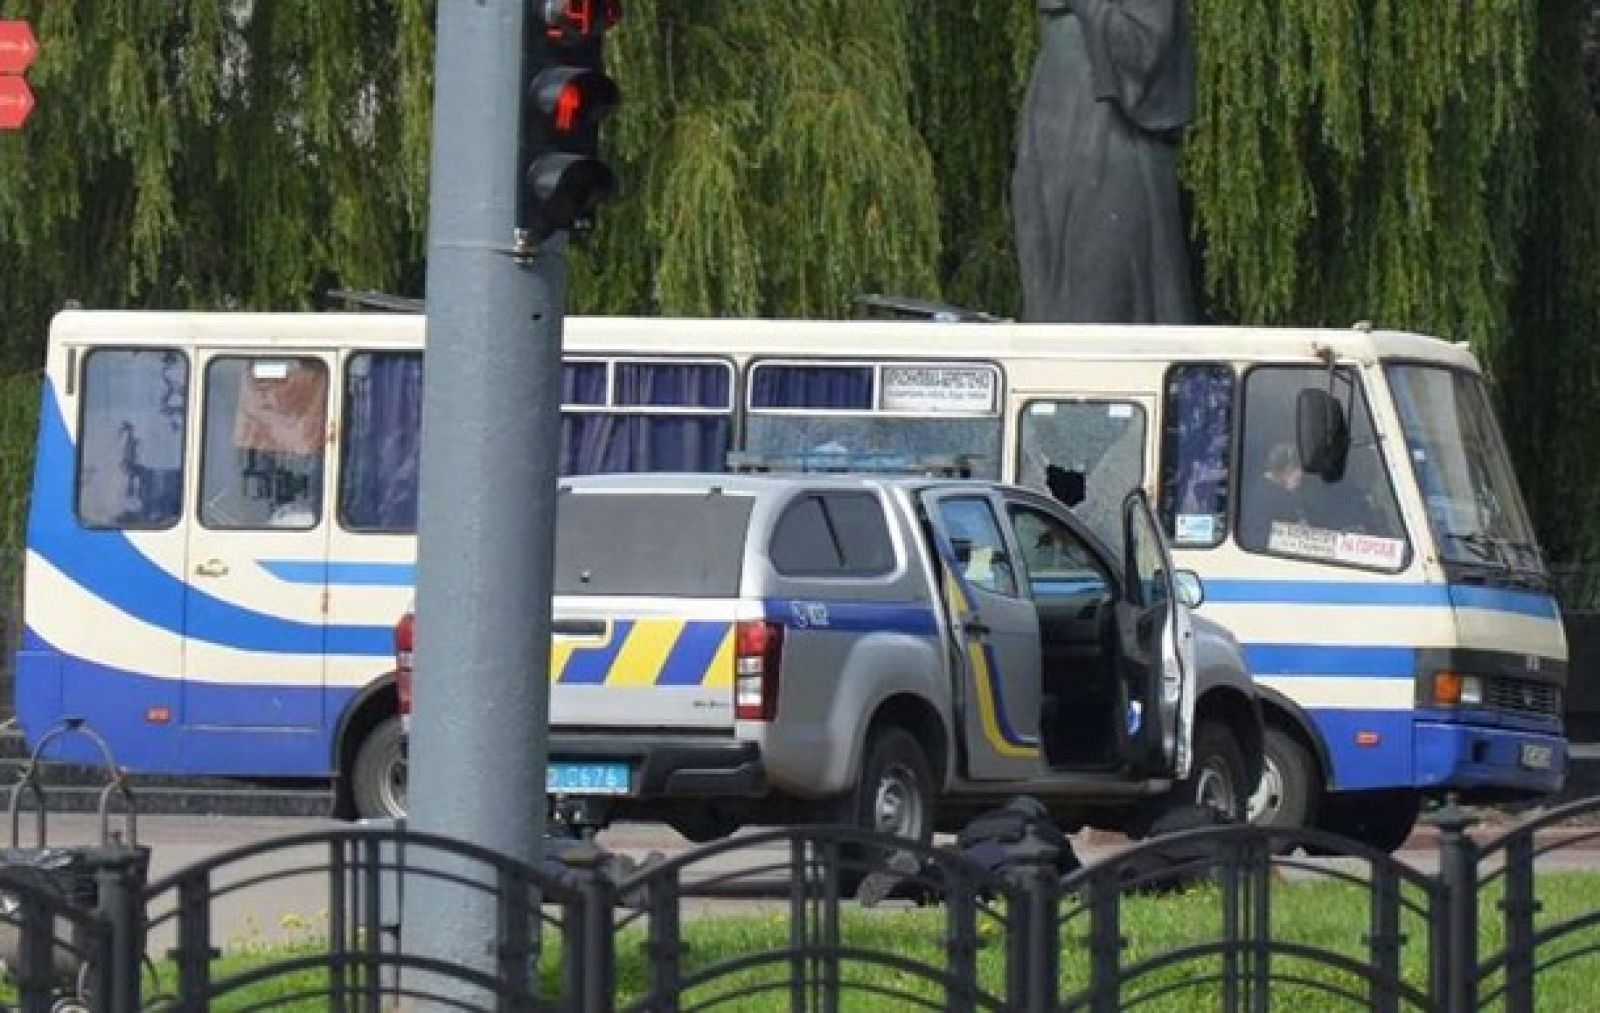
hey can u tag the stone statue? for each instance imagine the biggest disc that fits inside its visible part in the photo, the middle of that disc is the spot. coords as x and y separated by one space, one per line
1095 190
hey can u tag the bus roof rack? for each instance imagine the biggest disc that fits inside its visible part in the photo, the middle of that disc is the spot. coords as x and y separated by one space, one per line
925 309
833 462
376 300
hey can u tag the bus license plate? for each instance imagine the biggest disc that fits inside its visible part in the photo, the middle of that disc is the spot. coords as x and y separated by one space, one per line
1536 757
588 779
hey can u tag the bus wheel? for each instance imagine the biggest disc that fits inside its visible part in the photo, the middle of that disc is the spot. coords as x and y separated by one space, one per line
1287 793
378 776
1379 819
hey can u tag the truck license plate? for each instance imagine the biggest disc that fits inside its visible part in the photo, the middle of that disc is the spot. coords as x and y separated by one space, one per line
587 779
1536 757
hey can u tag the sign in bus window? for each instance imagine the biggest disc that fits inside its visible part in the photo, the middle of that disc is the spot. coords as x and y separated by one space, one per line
1196 453
1350 518
883 415
130 448
264 437
381 442
1087 454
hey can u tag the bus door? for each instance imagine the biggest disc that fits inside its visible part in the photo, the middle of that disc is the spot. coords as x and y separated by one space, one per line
254 619
1086 450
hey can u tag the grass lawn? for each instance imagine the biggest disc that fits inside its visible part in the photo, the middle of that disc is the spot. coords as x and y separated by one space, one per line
1326 915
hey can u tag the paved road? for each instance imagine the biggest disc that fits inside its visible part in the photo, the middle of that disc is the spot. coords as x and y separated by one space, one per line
283 895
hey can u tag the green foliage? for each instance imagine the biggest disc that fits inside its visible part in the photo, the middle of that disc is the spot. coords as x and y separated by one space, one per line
1422 165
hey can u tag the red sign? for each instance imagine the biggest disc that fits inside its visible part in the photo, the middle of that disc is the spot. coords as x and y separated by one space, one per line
16 102
18 47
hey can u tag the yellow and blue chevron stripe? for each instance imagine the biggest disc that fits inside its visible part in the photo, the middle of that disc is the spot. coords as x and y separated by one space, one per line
639 653
996 722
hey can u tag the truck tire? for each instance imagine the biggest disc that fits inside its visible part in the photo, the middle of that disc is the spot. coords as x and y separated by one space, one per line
895 792
894 795
1379 819
1289 790
378 776
1217 776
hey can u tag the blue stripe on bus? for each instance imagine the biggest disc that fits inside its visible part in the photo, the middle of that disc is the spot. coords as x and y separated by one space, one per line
295 571
237 740
1241 591
108 566
1324 659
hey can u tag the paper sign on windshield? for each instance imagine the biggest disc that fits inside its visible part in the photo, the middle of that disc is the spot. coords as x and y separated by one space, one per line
1337 546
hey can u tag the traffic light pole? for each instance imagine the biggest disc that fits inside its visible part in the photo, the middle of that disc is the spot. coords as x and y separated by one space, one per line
489 471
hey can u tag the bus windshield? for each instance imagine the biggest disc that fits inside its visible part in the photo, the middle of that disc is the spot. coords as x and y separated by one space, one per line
1461 464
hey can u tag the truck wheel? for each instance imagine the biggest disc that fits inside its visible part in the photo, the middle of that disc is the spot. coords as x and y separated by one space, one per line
378 777
1217 777
1287 793
1380 819
895 793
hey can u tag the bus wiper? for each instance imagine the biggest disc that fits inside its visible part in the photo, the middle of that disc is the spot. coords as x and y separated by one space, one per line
1482 546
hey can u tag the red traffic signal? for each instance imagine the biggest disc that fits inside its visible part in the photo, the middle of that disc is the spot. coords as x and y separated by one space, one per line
567 97
571 99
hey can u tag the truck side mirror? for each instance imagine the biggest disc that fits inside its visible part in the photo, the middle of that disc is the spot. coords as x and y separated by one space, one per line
1322 433
1191 590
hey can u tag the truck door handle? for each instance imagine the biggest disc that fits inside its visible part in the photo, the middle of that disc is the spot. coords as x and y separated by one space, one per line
212 568
976 628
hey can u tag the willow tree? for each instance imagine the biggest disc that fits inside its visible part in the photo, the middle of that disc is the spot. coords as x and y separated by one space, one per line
771 160
213 153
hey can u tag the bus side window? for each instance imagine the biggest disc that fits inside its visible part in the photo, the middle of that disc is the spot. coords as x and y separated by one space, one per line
1196 454
381 442
266 422
130 443
1088 454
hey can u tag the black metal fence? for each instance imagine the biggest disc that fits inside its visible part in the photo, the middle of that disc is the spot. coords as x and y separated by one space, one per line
1232 918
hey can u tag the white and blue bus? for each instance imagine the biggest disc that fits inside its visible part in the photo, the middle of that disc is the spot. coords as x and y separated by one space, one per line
222 526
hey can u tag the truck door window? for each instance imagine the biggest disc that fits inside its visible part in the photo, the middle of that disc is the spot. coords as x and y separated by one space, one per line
1087 454
980 550
1055 560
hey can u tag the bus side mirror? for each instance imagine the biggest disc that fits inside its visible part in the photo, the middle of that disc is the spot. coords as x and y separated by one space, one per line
1323 433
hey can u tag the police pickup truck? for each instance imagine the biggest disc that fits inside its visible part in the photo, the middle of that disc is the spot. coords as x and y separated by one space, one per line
888 651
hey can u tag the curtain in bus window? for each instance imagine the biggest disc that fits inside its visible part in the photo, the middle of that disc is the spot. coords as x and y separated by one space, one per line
130 464
835 387
583 383
1195 455
604 442
382 442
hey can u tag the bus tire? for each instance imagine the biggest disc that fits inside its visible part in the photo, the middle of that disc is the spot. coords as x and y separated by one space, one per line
1289 789
1378 819
378 775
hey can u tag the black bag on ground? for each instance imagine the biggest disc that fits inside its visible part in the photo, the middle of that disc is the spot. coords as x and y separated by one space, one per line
993 841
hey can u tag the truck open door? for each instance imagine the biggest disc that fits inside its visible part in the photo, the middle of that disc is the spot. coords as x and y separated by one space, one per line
1155 650
995 635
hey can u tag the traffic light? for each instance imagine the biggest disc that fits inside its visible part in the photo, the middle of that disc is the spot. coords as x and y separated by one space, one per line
566 95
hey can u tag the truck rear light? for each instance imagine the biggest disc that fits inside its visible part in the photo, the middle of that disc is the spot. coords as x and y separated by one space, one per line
758 655
404 644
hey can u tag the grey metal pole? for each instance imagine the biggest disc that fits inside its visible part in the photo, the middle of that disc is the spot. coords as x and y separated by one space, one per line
489 471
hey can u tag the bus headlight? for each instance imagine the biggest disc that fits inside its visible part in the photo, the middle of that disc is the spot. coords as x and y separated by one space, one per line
1452 689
